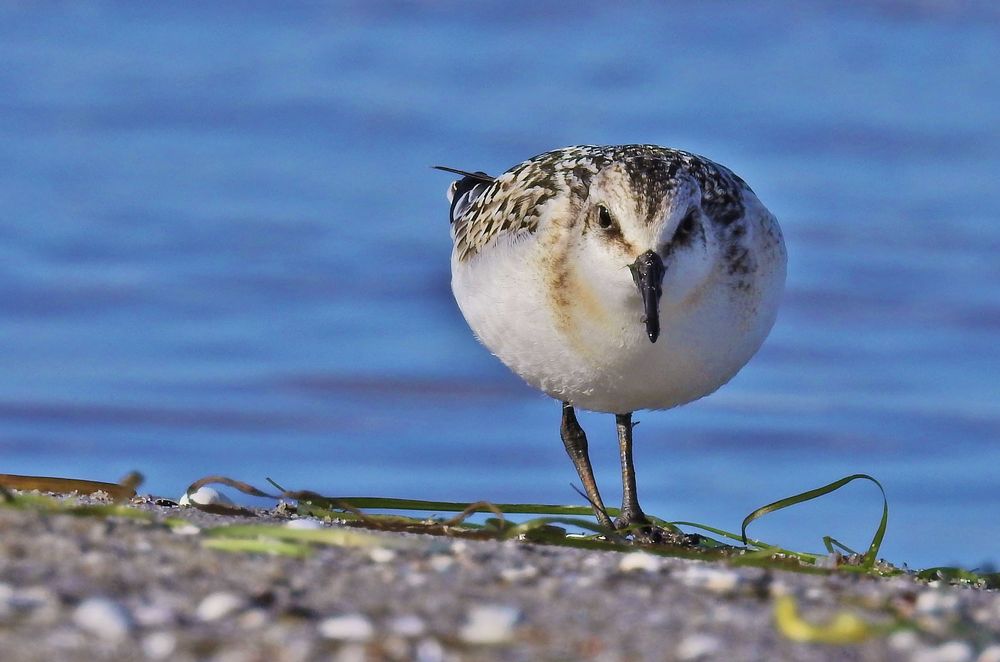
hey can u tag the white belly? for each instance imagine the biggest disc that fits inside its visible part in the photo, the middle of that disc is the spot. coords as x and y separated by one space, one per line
602 360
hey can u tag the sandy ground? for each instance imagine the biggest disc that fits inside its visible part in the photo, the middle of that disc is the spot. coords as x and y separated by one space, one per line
96 588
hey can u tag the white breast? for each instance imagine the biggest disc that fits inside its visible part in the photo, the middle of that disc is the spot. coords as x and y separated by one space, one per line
600 357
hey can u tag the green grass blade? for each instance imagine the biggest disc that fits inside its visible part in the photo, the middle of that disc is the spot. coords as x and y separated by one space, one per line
330 536
259 546
512 531
773 553
953 575
868 561
726 534
389 503
832 544
109 510
44 503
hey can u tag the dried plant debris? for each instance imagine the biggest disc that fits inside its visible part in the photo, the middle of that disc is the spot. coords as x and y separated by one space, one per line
120 491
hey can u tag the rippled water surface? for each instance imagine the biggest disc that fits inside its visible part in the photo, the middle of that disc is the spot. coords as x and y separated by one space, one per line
222 250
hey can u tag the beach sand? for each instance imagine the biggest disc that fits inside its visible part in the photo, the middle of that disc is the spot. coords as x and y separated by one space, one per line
117 588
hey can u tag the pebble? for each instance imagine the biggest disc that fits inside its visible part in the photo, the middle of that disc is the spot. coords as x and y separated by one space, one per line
489 624
408 625
350 627
714 580
254 619
30 598
989 654
104 618
981 614
953 651
394 647
429 650
381 554
936 603
218 605
440 562
205 496
153 615
816 593
830 561
159 645
514 575
307 523
698 647
38 603
641 561
936 611
415 579
186 530
778 588
904 640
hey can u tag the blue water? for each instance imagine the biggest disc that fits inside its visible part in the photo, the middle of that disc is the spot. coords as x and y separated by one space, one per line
222 250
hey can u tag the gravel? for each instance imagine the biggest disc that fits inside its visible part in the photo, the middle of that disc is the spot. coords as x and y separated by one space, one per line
89 588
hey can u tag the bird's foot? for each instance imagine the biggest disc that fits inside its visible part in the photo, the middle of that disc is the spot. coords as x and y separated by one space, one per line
639 528
642 531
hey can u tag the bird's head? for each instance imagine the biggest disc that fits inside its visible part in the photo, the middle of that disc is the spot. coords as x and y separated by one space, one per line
643 223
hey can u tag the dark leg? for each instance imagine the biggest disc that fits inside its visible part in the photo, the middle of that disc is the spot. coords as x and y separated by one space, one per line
631 513
575 441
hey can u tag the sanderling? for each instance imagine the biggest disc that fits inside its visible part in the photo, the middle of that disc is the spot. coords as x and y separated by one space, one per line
614 279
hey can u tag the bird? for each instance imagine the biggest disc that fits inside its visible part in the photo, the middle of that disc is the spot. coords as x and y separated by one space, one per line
616 279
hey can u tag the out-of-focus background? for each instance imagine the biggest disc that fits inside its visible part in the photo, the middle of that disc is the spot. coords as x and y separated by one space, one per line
222 250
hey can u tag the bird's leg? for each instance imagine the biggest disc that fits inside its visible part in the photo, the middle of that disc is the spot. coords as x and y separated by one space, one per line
631 513
575 441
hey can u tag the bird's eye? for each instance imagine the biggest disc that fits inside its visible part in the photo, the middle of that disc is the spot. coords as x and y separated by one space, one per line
686 227
604 218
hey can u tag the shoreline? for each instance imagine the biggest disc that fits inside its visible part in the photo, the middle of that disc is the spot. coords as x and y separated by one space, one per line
98 587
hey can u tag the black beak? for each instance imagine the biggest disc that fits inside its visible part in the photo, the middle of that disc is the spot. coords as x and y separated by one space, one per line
647 272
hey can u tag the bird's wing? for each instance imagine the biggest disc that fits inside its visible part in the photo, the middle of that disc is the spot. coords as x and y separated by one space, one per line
484 209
